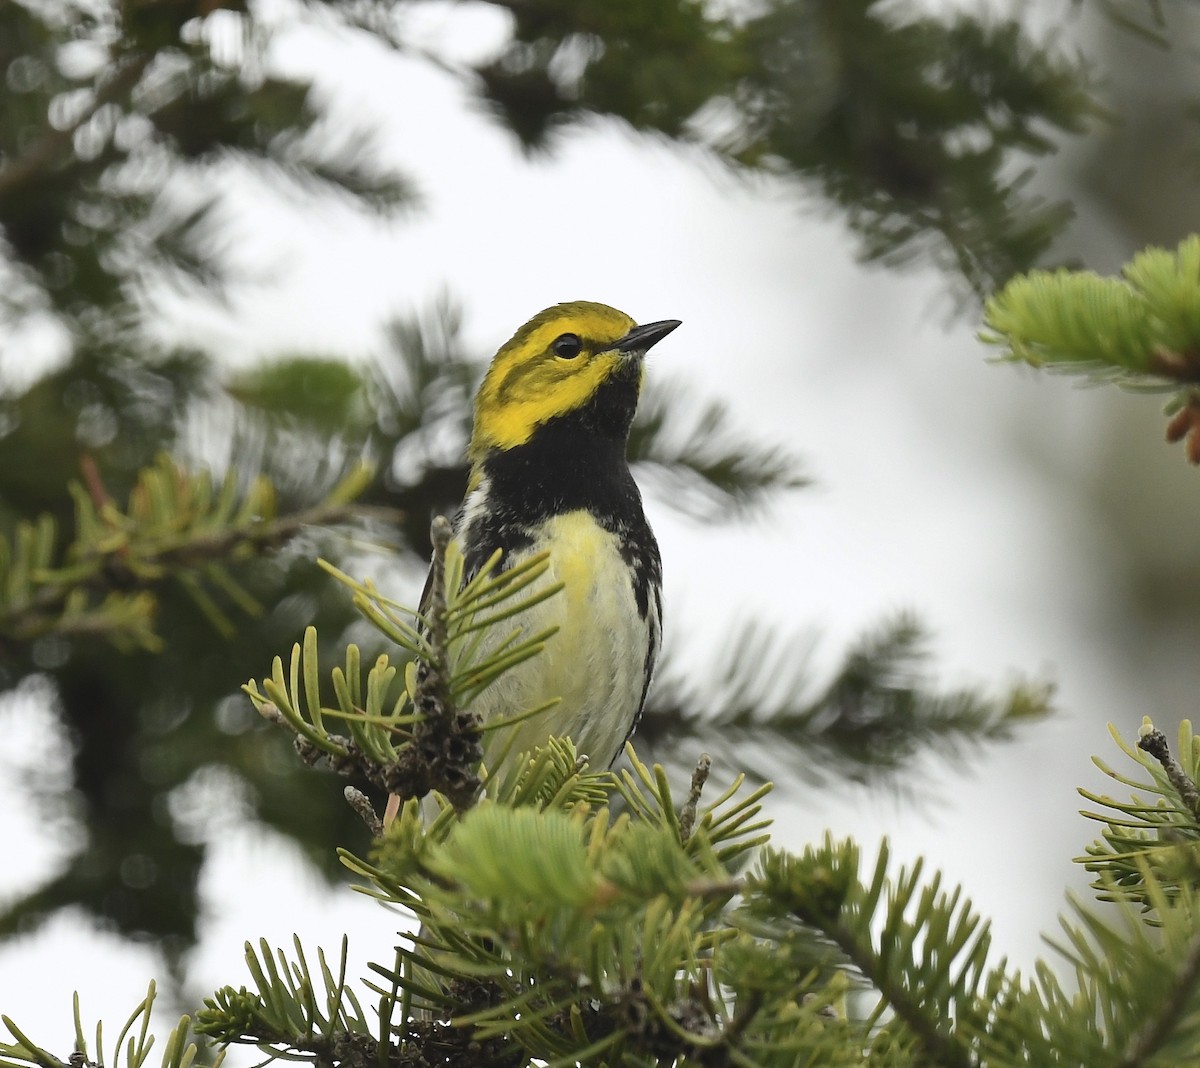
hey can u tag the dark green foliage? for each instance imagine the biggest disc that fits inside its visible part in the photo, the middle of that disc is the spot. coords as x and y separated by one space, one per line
88 153
910 125
699 462
653 64
865 724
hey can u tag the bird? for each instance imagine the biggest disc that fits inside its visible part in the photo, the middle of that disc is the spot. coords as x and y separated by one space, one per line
549 471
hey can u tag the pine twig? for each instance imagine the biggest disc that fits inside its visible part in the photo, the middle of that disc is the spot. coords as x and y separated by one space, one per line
445 750
1154 742
38 612
1156 1029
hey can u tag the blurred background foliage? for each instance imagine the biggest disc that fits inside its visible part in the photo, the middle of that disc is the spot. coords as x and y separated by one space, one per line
122 127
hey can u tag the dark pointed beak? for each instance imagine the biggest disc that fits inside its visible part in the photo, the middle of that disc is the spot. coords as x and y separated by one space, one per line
641 338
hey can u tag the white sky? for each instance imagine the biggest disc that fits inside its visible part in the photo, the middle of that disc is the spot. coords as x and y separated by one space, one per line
929 462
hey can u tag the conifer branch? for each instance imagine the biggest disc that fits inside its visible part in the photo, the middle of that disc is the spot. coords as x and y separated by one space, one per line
132 1048
566 937
703 465
908 1005
1141 330
1137 831
878 926
445 751
1157 1029
864 723
173 528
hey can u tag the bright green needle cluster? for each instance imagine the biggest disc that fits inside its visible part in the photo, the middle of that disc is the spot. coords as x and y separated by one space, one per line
1143 326
1141 330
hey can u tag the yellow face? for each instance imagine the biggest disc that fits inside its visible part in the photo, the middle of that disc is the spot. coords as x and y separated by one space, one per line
549 367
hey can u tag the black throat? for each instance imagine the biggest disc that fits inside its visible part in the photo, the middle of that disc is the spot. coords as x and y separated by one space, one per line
573 461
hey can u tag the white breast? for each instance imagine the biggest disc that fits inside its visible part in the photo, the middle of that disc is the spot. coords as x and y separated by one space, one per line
596 662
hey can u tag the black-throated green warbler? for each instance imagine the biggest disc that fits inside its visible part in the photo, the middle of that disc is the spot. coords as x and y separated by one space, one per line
549 472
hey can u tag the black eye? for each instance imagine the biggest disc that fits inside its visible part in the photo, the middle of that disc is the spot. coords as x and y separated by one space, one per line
568 346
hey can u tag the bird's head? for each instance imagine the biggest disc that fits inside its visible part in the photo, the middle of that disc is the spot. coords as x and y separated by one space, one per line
569 359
